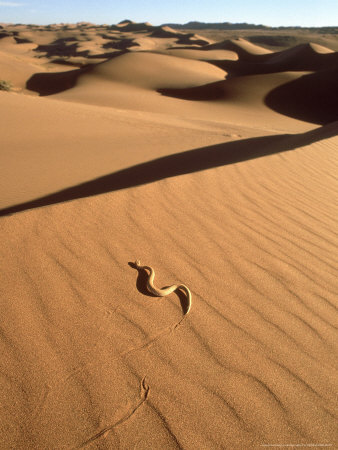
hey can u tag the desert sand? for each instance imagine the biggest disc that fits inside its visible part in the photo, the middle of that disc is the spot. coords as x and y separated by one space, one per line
215 163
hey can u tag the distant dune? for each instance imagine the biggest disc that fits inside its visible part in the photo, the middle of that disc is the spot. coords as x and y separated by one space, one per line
212 159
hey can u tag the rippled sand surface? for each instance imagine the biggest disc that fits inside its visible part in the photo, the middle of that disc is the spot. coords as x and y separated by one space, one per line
209 162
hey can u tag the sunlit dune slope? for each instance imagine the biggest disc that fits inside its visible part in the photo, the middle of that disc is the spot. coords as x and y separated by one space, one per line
253 361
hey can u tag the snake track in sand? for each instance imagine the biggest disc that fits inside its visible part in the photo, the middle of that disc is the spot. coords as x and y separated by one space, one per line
165 291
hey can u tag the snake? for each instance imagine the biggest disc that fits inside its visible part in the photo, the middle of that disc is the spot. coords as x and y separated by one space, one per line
165 291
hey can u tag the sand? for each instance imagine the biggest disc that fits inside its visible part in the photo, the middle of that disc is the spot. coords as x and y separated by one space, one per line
213 162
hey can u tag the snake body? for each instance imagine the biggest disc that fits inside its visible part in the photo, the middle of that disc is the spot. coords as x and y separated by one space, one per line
165 291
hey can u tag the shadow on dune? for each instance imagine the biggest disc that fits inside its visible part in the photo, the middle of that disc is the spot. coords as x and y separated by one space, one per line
298 59
61 47
234 45
181 163
207 92
141 281
312 98
53 83
120 44
49 83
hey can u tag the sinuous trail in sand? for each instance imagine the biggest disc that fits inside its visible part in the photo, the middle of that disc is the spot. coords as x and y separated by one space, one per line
212 157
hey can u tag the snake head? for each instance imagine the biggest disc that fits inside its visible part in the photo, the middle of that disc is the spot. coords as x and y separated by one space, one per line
137 263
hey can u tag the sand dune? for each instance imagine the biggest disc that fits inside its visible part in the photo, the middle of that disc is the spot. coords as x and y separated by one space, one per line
13 46
165 32
245 49
202 55
129 25
286 93
294 100
151 71
250 90
16 71
305 57
216 164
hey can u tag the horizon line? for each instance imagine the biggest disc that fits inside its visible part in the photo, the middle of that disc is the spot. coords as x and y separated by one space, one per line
171 23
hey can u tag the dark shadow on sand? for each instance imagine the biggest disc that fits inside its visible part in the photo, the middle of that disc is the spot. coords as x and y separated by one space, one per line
312 98
181 163
54 82
49 83
141 282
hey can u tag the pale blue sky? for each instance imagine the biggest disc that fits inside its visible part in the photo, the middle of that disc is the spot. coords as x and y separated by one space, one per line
267 12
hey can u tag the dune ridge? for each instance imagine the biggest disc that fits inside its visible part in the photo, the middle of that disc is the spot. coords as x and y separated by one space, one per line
215 163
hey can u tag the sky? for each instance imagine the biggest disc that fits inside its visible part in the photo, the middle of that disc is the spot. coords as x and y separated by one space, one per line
307 13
